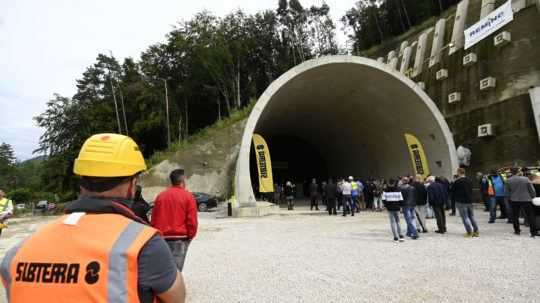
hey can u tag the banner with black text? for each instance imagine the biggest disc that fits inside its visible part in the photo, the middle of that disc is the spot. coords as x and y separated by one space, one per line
264 164
418 156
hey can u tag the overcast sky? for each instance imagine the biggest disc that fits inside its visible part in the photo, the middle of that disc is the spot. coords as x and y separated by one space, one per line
46 45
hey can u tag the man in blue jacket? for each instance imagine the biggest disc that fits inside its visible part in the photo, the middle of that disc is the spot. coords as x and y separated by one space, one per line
499 184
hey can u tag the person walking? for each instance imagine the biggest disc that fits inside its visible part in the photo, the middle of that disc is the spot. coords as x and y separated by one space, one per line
521 192
393 201
498 196
330 192
369 194
437 198
377 195
140 206
462 191
409 203
323 194
175 216
289 195
6 210
421 202
355 195
484 187
100 251
346 189
314 194
339 194
452 197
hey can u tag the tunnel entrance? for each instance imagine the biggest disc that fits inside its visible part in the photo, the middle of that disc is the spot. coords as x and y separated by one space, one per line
353 113
293 159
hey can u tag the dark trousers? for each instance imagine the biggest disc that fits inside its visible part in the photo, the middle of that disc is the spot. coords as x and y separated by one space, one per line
485 199
440 216
502 205
179 250
314 203
369 201
331 204
528 208
348 205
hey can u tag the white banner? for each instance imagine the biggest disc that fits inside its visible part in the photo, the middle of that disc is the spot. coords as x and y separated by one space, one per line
488 25
392 196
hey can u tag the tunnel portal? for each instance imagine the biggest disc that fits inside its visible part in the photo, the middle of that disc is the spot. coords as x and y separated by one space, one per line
349 116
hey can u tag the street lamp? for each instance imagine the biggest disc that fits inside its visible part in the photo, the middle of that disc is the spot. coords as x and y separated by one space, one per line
167 113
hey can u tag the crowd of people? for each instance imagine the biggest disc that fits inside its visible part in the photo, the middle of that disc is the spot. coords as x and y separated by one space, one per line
418 198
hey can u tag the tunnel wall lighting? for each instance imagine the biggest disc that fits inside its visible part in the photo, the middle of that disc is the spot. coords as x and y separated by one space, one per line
485 130
441 74
454 97
488 83
502 39
469 59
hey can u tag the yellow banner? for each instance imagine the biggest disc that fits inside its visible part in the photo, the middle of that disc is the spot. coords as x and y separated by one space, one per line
264 164
418 156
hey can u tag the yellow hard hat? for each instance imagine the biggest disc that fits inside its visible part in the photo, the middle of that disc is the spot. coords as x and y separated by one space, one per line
109 155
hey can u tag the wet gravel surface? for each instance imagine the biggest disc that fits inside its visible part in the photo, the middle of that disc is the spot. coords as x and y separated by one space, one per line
305 256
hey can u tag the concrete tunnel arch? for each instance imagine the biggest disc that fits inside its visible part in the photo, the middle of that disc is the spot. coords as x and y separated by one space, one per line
355 111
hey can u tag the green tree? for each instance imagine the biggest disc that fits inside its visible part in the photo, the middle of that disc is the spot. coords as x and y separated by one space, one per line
7 166
20 195
322 31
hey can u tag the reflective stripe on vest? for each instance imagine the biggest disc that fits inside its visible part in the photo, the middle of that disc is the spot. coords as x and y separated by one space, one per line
118 263
91 260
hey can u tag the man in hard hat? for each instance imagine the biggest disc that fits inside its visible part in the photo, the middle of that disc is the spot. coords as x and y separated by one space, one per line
6 210
100 251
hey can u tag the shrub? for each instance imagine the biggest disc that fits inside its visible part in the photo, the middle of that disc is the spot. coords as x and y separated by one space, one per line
20 195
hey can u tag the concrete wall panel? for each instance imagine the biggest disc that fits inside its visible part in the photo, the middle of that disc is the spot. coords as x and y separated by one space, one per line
458 37
487 7
406 60
438 43
393 63
420 54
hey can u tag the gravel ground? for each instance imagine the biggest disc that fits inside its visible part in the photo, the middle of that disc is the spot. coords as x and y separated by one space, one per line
311 257
304 256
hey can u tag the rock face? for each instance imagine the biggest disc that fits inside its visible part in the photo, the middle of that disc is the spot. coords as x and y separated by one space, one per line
209 163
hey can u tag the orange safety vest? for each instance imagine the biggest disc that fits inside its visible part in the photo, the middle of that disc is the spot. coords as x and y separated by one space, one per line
78 258
491 190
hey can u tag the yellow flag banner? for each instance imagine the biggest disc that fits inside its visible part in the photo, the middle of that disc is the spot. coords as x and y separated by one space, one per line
264 164
418 156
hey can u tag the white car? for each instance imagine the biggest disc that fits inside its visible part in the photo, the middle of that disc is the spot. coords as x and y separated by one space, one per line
20 206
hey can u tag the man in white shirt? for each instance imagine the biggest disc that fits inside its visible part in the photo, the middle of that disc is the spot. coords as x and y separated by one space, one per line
346 189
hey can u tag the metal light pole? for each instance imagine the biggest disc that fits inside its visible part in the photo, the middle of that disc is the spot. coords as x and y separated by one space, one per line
114 96
115 103
167 113
124 111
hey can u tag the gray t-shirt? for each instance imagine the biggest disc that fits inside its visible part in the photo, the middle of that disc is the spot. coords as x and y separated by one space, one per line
157 269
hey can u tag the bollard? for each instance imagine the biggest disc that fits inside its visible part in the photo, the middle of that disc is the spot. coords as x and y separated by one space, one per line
229 209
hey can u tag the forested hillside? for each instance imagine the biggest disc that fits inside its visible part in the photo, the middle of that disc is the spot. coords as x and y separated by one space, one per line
206 68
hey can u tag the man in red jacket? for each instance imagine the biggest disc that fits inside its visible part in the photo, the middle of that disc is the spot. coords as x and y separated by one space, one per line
175 216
